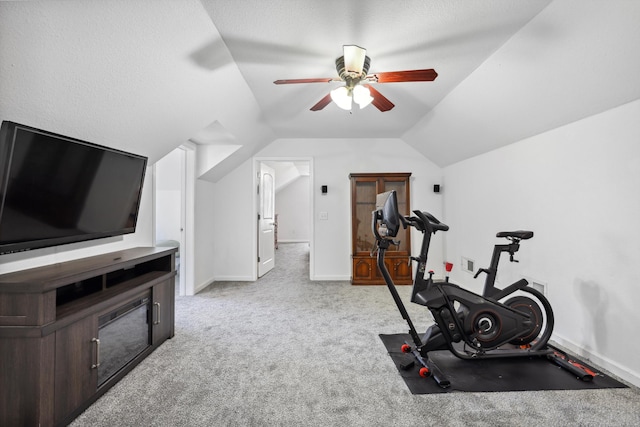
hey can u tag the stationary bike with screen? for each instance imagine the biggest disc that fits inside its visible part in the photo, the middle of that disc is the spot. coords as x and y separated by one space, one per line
516 321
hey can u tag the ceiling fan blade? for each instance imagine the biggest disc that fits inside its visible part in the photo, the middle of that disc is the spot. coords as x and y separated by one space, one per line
322 103
354 57
318 80
427 75
379 100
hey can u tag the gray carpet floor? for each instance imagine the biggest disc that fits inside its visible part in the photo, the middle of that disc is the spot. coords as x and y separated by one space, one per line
285 351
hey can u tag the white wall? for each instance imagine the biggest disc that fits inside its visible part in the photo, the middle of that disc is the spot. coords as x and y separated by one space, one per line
234 224
333 161
292 208
169 171
578 188
207 206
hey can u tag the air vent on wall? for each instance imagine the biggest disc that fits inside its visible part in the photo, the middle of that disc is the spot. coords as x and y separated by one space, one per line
468 265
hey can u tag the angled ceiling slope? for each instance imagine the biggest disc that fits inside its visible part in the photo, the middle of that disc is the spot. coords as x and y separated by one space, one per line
114 73
575 59
214 144
125 75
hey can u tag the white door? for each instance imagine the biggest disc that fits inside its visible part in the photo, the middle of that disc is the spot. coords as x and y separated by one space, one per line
266 220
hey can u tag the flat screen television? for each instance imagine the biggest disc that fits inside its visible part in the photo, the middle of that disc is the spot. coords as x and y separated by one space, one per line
56 190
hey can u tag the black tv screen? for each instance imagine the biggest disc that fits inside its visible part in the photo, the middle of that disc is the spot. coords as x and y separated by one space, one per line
56 190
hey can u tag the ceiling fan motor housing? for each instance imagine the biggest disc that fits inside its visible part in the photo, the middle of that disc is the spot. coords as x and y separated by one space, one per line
352 78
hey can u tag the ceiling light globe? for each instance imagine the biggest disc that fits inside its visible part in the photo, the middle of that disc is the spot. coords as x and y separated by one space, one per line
362 96
342 97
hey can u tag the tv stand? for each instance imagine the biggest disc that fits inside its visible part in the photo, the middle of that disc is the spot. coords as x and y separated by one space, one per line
51 321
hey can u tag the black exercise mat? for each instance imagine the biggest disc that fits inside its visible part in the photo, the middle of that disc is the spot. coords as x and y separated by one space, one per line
517 374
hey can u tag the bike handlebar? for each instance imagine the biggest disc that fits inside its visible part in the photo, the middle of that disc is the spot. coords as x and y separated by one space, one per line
427 222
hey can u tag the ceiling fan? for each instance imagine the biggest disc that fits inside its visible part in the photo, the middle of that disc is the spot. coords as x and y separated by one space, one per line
352 68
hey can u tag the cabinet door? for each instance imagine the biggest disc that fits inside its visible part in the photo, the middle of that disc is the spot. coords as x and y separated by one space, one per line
363 269
401 270
26 379
76 373
365 191
162 315
400 186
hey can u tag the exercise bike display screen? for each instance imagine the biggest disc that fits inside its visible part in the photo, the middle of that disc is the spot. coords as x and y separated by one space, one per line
387 203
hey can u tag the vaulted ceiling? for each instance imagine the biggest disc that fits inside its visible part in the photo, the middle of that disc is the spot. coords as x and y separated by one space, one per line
271 40
148 75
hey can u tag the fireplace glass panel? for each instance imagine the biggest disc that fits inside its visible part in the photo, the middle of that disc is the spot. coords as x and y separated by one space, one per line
124 333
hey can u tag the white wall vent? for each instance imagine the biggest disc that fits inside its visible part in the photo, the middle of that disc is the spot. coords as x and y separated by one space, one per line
468 265
537 285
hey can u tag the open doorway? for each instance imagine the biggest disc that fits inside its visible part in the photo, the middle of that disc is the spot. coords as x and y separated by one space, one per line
173 207
293 204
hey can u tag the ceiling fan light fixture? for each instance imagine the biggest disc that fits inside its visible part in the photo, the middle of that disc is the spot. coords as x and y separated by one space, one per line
353 68
362 96
342 97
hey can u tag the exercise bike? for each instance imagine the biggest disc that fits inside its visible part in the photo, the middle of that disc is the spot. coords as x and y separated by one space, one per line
516 321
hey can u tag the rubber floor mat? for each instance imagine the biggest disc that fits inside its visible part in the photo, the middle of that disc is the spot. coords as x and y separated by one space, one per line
516 374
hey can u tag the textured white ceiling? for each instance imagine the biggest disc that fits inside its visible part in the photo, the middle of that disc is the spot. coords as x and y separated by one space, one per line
124 73
507 69
148 75
283 39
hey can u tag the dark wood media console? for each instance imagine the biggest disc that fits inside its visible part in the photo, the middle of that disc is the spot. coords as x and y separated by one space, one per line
59 322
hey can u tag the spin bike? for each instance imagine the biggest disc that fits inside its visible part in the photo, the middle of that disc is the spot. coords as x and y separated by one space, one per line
516 321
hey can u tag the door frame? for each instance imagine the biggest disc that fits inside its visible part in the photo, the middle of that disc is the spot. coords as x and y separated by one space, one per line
187 192
256 208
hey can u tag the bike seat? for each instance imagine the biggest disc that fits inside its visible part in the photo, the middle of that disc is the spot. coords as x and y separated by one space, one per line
519 234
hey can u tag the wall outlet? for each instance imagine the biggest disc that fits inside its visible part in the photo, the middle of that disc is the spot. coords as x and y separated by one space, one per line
468 265
324 216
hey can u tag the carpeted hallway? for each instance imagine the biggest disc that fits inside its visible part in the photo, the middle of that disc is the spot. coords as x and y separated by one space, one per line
285 351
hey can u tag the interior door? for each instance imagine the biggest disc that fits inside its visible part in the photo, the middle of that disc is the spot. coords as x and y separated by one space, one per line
266 220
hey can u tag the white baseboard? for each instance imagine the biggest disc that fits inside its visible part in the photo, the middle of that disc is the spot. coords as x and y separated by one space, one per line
202 286
601 361
331 278
232 279
293 241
